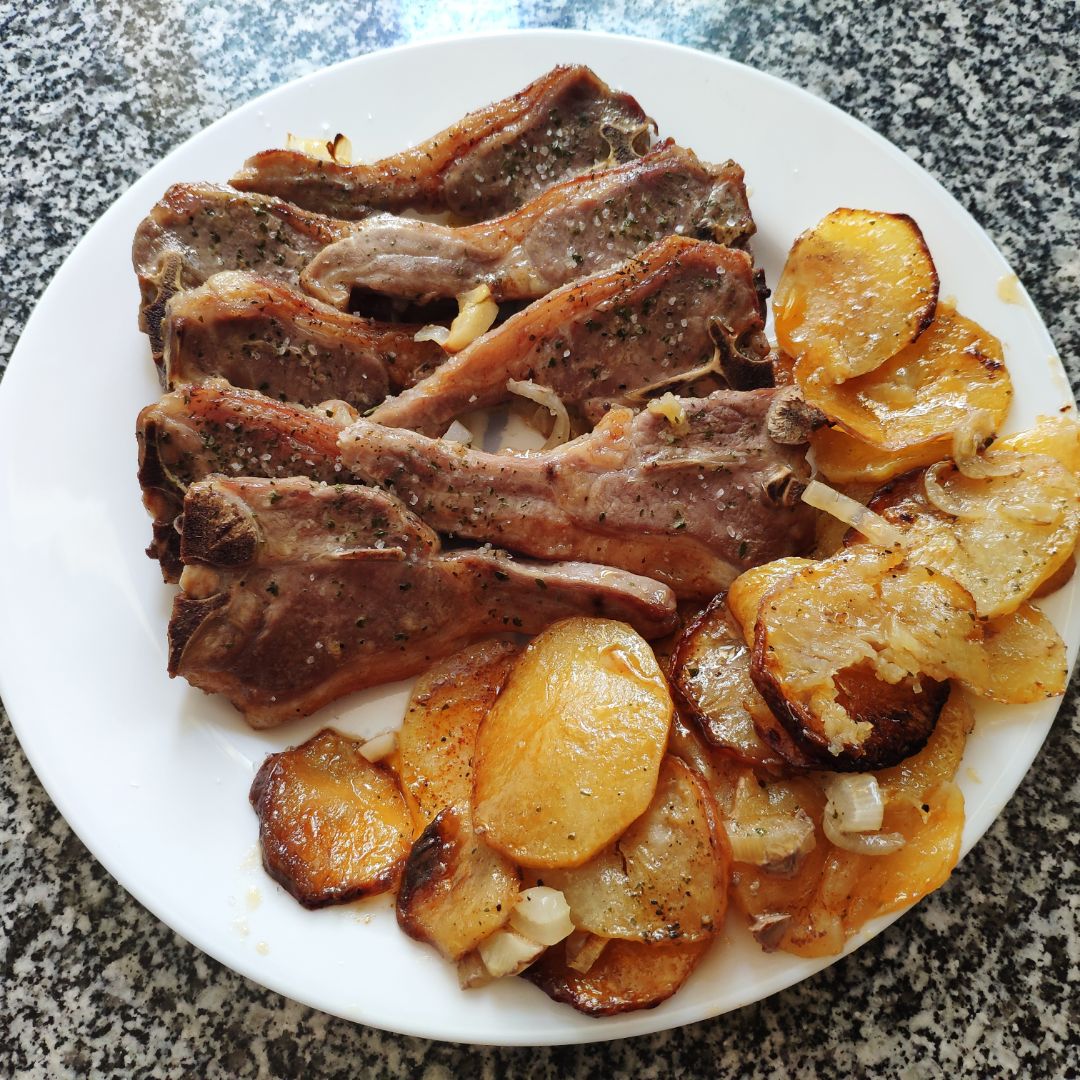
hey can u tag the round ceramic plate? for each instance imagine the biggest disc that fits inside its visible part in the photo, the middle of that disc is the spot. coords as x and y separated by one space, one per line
152 774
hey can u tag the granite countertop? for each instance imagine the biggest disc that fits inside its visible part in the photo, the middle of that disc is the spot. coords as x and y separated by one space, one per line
981 978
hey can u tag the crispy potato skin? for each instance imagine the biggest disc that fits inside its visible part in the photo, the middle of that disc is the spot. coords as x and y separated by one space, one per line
311 798
628 975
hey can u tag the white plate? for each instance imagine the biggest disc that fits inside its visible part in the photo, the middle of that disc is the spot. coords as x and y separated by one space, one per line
153 775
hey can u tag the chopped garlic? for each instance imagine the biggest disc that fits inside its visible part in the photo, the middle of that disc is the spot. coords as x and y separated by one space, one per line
476 312
542 915
671 408
338 149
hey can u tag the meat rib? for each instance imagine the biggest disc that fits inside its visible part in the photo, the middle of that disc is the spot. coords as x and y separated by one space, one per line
217 428
600 341
487 163
296 593
582 226
267 335
691 505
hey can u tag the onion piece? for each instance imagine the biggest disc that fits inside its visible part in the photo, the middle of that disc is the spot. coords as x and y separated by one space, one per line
544 395
873 526
854 812
379 746
338 149
432 332
775 842
457 432
671 408
507 952
542 915
476 312
970 439
583 950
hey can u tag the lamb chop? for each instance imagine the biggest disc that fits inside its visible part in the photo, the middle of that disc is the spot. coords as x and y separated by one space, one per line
265 334
691 503
580 226
296 593
215 427
486 164
610 339
198 230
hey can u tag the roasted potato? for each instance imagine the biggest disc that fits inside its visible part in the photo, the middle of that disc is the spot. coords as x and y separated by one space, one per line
832 893
570 753
1000 537
1056 436
1025 658
435 744
627 975
855 290
921 394
665 878
843 459
333 826
455 890
745 592
847 650
710 674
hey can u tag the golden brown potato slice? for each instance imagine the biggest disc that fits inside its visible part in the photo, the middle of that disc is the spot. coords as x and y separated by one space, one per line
855 290
1000 537
847 650
334 827
1025 658
922 393
455 891
570 753
665 878
843 459
710 674
745 592
435 745
832 893
628 975
1056 436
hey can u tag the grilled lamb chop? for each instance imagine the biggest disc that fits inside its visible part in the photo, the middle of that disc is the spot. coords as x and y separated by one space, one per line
267 335
488 163
214 427
198 230
691 504
296 593
610 338
581 226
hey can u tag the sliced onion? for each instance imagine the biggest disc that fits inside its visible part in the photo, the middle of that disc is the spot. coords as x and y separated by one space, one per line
583 950
873 526
338 149
432 332
970 439
544 395
775 842
542 915
457 432
476 312
671 408
854 813
471 972
379 746
507 952
862 843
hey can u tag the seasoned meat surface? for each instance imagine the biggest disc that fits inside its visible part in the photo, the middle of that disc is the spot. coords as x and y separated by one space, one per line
267 335
217 428
606 339
488 163
198 230
295 593
691 504
582 226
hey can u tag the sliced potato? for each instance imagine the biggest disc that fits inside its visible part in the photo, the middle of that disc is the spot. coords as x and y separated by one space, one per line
1015 533
455 890
833 893
583 950
745 592
435 744
843 459
627 975
1025 658
922 393
333 826
570 753
1056 436
665 878
847 650
855 290
710 674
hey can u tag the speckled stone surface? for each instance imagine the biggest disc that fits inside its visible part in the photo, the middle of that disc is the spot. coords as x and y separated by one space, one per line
982 978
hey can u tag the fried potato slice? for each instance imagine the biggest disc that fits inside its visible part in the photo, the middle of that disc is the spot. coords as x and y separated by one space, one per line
843 459
1004 536
455 890
435 744
1056 436
333 826
570 753
627 975
1025 658
710 674
746 591
922 393
833 893
665 878
847 651
855 290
